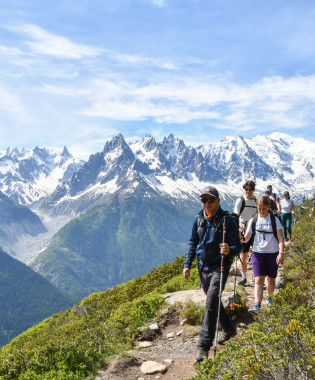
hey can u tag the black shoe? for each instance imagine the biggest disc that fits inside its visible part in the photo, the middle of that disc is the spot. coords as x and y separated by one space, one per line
243 281
202 355
226 335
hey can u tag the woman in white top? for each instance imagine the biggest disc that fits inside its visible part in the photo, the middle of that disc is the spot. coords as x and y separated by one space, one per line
268 250
286 209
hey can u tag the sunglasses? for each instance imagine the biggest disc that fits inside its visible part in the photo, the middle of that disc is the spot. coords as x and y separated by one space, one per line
248 189
208 200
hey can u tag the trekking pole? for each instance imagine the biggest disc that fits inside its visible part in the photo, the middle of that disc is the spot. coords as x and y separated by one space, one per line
234 294
221 285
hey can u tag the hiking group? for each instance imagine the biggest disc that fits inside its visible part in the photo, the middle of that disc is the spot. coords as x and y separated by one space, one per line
218 237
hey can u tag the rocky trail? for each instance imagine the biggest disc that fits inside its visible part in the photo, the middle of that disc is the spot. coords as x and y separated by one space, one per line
166 349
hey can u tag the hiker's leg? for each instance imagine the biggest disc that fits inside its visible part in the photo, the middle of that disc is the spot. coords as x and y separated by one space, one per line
271 284
289 224
207 331
284 226
243 256
259 288
272 271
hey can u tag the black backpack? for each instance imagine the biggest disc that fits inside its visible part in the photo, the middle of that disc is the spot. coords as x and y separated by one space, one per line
273 223
218 222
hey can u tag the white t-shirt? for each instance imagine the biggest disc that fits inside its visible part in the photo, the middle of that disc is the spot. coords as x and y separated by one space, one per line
249 211
263 242
286 205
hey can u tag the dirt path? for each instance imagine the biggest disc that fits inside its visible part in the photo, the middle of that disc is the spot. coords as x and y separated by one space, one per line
173 346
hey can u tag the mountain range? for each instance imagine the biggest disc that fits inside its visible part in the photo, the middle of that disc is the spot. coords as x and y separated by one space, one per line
131 206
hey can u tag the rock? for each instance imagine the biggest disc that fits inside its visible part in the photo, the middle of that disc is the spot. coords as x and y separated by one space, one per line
168 361
183 322
179 332
183 296
144 344
238 272
151 368
154 326
170 335
197 296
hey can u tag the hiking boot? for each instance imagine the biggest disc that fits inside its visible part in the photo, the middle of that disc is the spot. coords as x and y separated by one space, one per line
243 281
269 301
255 309
226 335
202 355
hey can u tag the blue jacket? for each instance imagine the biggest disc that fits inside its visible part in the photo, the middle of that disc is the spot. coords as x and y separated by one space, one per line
204 241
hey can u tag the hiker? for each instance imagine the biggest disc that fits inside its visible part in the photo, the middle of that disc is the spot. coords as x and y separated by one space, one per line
273 207
206 243
273 196
245 207
287 210
268 250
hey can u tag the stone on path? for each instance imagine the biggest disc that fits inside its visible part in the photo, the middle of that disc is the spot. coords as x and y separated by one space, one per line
151 367
144 344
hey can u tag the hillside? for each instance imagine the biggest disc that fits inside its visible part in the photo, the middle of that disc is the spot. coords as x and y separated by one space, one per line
26 298
16 221
78 342
115 242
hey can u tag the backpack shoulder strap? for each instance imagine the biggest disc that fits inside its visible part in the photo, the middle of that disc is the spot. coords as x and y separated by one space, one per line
242 206
274 225
255 217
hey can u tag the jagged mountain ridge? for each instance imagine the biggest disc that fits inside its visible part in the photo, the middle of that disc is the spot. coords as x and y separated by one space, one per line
28 175
172 169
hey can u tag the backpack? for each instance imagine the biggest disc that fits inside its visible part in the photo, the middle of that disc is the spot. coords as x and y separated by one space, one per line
218 222
243 205
273 223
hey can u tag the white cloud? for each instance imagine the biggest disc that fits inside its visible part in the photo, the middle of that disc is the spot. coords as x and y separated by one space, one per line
45 43
272 101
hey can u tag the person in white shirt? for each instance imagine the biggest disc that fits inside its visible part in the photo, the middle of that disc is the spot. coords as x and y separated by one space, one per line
268 250
245 207
287 210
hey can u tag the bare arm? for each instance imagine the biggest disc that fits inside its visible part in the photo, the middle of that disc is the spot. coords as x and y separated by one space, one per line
280 257
248 235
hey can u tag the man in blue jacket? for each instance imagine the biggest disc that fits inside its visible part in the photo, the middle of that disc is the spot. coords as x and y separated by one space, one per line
206 243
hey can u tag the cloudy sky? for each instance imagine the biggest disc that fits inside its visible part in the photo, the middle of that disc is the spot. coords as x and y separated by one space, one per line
77 72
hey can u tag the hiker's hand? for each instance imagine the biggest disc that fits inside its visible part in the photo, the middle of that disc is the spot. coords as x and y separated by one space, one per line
224 249
280 259
186 273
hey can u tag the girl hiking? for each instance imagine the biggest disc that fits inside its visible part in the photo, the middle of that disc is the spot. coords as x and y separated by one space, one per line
287 209
268 250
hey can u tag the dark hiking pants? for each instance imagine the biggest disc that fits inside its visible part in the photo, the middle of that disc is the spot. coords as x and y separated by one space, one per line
210 282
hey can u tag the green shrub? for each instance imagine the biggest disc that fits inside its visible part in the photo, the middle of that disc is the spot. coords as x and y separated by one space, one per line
193 313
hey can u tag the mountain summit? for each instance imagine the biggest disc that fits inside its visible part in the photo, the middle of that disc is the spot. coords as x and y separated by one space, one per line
28 175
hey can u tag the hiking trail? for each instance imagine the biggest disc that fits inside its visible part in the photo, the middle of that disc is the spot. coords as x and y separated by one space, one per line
167 349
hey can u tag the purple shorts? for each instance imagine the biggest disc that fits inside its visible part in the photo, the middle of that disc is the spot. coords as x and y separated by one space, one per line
265 264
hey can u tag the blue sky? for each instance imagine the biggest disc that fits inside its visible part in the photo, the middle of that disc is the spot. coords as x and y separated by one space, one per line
76 73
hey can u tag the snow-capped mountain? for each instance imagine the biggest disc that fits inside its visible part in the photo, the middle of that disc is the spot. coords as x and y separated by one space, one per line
28 175
172 169
128 186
